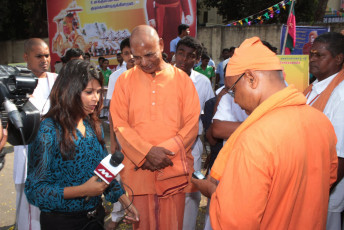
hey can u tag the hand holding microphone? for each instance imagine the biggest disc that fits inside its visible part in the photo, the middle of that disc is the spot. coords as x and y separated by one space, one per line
107 170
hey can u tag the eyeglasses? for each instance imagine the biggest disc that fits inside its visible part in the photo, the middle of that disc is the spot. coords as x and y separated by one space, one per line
230 90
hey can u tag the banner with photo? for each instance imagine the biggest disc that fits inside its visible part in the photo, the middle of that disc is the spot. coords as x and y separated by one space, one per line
296 69
305 36
98 26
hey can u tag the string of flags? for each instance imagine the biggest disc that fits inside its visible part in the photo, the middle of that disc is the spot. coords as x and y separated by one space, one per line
333 12
263 15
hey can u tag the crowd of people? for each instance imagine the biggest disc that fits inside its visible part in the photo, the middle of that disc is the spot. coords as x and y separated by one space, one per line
276 154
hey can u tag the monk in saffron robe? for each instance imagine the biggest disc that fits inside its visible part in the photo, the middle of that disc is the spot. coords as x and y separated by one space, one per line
155 111
276 169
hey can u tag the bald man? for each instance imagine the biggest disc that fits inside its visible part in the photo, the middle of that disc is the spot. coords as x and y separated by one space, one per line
276 169
37 57
155 111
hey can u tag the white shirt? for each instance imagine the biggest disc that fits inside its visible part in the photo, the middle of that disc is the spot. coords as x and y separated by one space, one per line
225 62
334 110
40 99
220 70
112 81
124 65
228 110
204 91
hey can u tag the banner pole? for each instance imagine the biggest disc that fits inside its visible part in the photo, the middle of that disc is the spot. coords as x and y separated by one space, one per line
287 30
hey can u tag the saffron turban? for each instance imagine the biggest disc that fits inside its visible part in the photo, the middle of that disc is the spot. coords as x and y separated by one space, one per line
252 55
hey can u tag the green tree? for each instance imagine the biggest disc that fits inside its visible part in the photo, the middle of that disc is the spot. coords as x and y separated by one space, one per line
233 10
22 19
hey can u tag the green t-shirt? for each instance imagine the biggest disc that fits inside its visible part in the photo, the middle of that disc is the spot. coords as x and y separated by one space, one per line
106 75
209 71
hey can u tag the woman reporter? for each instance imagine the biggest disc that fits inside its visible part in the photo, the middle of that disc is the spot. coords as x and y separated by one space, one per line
68 147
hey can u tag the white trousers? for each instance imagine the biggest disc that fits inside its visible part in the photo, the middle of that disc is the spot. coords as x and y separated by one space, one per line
333 221
192 200
207 223
27 214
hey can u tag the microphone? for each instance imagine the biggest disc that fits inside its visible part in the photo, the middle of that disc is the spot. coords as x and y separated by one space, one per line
109 167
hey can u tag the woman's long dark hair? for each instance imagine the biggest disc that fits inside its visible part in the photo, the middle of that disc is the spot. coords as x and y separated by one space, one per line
66 106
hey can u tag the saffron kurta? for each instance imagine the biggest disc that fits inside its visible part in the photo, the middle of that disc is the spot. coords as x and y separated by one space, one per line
279 169
151 111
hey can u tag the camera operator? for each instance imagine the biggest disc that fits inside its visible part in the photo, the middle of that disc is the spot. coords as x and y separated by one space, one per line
3 140
37 57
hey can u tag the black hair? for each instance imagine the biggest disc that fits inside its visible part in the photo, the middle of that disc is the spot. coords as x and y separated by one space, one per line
232 49
100 58
272 48
87 54
73 52
225 49
205 56
63 59
181 28
66 103
125 43
334 41
191 42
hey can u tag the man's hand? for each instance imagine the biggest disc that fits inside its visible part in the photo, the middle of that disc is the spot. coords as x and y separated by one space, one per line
207 187
148 166
158 157
188 20
152 23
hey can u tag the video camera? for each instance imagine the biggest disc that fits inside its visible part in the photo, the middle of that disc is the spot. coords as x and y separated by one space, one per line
16 84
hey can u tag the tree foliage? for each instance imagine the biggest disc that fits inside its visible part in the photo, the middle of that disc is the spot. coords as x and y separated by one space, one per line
22 19
306 10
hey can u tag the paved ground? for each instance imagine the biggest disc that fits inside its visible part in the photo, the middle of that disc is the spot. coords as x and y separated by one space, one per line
8 194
